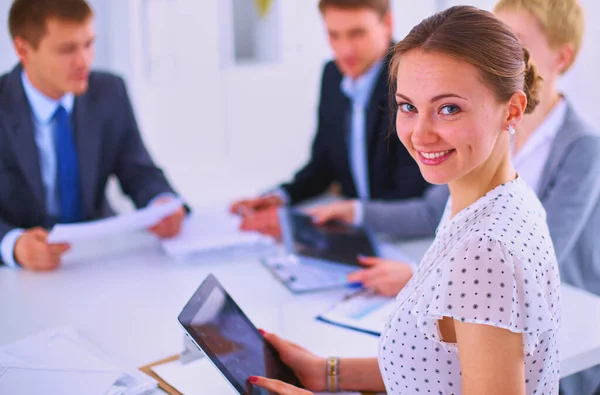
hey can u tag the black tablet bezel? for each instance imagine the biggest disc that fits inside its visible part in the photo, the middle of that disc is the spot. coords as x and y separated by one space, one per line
190 311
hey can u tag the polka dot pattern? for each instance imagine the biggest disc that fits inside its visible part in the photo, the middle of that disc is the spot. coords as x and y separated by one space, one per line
491 264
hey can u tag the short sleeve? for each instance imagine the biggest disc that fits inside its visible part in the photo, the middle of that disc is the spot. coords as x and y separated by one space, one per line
481 281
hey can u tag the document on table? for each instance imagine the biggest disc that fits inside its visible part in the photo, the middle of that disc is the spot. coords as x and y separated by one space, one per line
212 229
138 220
67 363
362 311
198 377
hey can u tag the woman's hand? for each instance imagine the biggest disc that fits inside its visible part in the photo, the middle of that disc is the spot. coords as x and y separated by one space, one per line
382 276
309 368
279 387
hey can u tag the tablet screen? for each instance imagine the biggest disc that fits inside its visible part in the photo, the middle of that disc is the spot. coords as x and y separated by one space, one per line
334 241
230 340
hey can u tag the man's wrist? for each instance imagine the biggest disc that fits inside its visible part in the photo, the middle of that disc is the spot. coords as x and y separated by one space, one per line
279 193
8 245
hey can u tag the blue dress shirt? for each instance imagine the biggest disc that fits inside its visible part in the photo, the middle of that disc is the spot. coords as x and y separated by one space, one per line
42 109
359 92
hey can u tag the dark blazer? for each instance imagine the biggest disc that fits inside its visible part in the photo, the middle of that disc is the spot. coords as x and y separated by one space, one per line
393 173
108 143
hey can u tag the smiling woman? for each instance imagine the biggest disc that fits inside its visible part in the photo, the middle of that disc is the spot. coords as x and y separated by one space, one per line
461 125
480 315
484 297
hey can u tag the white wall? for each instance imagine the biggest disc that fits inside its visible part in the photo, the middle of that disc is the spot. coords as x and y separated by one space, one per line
7 55
215 129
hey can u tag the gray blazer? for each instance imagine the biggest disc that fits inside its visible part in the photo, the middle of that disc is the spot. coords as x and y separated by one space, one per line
108 143
570 192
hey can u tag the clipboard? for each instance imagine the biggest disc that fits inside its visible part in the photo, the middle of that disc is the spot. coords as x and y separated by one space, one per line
161 383
147 369
188 354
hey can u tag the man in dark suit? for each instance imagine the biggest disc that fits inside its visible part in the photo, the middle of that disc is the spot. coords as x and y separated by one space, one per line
63 131
351 147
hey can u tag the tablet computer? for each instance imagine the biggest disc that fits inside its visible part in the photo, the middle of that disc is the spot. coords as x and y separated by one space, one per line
220 329
334 242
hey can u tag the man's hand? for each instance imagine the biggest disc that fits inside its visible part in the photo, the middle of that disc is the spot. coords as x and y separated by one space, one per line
32 251
171 225
264 221
250 206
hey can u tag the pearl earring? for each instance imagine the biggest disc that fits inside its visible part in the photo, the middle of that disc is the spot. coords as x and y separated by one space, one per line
511 130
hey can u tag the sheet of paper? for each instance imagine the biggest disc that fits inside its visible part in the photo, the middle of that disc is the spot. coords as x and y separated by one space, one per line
138 220
362 311
212 229
61 357
199 377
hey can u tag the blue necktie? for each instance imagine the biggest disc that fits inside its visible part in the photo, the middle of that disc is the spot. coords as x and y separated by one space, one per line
69 184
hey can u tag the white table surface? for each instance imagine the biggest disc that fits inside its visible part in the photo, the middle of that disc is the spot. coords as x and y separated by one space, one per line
124 294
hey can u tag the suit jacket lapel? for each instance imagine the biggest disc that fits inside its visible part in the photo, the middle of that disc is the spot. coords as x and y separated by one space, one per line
379 101
376 105
88 128
21 134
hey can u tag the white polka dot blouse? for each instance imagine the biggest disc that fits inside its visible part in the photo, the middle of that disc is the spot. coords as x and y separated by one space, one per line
493 263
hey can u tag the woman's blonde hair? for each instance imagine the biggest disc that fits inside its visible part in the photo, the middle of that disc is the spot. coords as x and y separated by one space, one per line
562 21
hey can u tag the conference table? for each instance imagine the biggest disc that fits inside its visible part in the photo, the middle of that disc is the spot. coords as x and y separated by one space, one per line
124 294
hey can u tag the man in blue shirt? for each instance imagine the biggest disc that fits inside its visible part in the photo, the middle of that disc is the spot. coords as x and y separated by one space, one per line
64 130
351 147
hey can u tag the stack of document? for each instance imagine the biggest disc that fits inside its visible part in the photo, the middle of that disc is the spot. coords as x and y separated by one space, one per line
62 362
362 311
212 230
